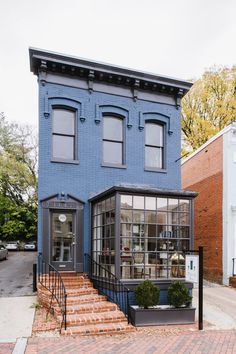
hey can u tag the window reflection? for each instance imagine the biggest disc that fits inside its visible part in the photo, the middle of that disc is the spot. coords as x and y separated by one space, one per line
152 231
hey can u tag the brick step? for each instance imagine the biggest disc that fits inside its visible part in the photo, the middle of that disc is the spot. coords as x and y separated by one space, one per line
78 279
71 291
95 307
76 285
80 291
73 275
99 329
232 281
82 299
68 280
93 318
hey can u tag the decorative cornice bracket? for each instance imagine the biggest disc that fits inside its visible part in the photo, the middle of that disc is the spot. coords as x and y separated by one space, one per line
91 78
135 89
43 72
178 98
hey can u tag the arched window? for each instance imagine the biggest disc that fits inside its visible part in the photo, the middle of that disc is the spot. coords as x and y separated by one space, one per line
154 145
113 140
63 134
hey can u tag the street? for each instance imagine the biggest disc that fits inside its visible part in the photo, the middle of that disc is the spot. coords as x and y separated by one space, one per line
219 306
16 274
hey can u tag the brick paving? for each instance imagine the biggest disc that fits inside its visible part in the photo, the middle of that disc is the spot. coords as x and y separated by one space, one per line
145 341
6 348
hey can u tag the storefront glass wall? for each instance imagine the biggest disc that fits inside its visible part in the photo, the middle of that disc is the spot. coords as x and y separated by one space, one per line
153 233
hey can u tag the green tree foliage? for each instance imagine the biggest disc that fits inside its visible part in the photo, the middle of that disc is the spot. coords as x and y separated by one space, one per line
18 181
209 106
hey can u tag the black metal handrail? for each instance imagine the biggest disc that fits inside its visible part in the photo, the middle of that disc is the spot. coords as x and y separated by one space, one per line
233 272
51 279
107 284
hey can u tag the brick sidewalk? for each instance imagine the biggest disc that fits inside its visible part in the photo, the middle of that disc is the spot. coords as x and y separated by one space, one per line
6 348
142 341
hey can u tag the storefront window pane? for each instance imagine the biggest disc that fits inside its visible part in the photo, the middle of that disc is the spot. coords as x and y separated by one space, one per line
126 216
138 202
150 203
126 201
161 204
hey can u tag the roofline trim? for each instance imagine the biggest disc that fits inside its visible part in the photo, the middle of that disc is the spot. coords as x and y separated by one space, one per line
36 53
144 190
211 140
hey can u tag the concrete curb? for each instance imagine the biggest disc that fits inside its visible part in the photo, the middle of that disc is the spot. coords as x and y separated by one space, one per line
20 346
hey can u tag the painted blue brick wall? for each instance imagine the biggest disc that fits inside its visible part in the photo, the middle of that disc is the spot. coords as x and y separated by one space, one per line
88 176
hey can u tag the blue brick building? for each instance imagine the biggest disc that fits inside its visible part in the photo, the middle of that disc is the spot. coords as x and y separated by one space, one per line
109 169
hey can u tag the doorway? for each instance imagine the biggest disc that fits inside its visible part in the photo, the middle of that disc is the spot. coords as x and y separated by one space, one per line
63 240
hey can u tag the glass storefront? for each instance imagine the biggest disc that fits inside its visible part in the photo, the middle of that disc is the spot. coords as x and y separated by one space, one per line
152 234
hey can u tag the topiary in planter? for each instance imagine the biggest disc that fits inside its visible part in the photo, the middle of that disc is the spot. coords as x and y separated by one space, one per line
178 295
147 294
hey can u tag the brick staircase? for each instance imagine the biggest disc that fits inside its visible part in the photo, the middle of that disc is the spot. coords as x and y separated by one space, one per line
88 313
232 281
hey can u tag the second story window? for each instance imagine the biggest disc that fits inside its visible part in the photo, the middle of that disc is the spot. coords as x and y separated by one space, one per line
154 145
113 149
63 134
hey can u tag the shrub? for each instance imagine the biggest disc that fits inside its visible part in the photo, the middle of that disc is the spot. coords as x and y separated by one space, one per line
178 295
147 294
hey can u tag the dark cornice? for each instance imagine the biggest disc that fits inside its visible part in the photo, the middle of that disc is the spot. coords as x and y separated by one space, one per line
45 61
136 189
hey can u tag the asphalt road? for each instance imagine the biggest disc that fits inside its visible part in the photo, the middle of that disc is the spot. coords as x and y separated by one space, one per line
16 274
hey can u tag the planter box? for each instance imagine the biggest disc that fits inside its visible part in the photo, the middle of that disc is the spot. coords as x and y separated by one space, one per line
161 315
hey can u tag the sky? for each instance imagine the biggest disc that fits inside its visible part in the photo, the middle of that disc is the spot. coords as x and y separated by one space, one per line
179 38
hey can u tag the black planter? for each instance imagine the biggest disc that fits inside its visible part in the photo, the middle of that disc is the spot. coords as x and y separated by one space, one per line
161 316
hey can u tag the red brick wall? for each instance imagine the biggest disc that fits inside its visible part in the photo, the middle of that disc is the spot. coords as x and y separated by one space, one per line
203 174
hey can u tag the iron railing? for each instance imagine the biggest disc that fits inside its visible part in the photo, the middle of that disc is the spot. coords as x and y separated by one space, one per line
234 262
51 279
107 284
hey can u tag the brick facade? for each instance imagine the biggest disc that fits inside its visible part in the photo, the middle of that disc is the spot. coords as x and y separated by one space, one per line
203 173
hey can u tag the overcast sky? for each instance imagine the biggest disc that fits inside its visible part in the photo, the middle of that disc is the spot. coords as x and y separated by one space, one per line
179 38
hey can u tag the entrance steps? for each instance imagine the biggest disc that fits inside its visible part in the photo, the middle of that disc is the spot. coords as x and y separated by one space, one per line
232 281
88 313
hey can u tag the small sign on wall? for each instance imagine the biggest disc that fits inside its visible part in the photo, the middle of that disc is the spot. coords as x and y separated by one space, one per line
192 268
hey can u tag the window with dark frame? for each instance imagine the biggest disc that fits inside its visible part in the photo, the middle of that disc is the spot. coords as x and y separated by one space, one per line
154 235
154 145
63 134
113 140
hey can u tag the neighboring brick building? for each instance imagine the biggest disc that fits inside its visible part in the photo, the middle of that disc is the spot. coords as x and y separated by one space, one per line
211 171
109 168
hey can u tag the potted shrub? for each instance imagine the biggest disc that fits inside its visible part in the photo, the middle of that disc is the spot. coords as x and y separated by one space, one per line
178 295
180 310
147 295
148 312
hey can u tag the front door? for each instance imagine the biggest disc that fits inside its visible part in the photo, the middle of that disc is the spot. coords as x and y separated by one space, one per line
62 254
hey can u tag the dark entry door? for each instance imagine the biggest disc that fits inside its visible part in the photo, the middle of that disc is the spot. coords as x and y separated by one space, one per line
63 239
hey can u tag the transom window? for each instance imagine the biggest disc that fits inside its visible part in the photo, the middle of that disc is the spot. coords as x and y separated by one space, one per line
154 145
113 151
63 134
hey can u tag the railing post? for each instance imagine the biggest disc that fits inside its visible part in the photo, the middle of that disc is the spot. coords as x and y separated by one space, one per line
65 309
200 289
34 277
